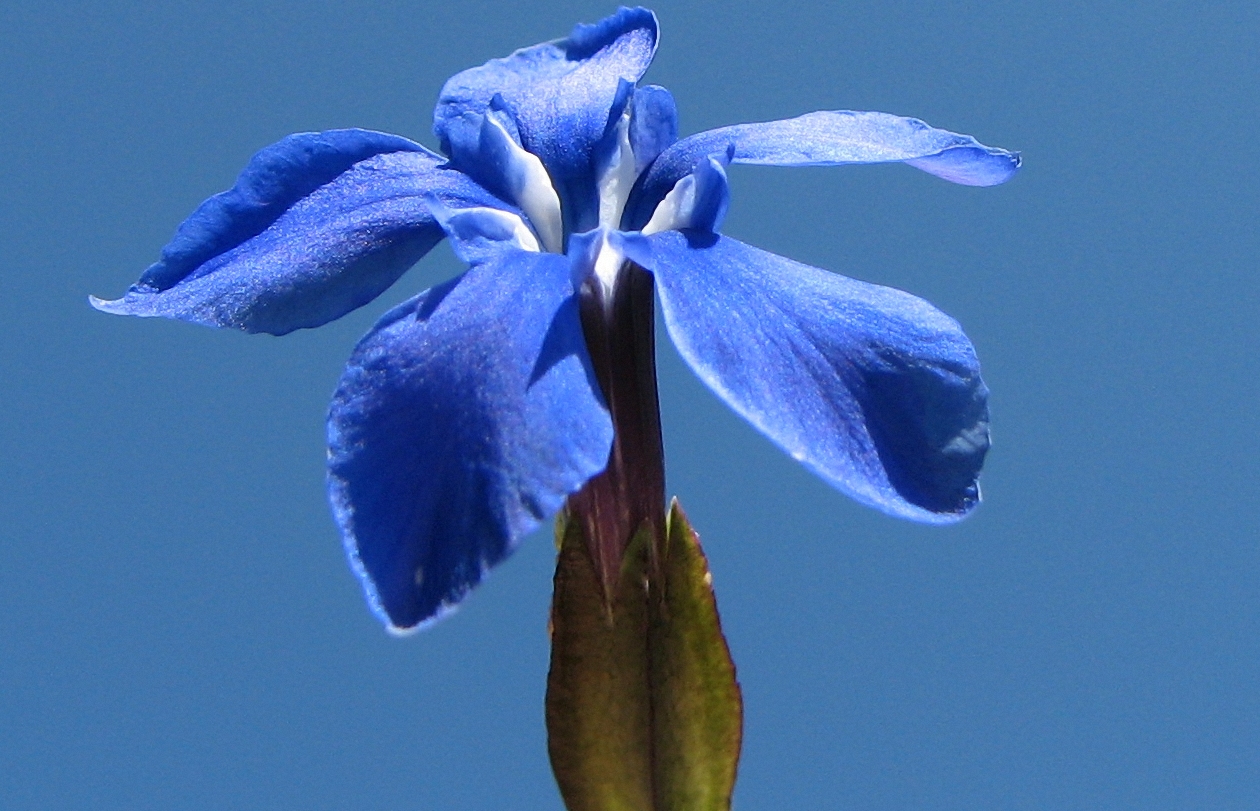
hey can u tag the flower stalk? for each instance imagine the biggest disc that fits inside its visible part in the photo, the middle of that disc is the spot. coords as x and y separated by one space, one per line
643 709
630 494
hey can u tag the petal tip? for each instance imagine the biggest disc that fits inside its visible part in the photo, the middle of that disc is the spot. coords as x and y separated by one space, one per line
104 305
130 304
972 165
588 38
403 631
1012 160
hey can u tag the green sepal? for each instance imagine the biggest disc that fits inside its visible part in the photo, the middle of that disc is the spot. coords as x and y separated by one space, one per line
598 711
697 708
643 709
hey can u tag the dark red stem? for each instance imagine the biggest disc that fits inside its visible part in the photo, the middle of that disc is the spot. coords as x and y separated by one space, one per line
631 491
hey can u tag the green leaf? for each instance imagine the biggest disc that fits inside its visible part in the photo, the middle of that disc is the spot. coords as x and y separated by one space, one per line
643 709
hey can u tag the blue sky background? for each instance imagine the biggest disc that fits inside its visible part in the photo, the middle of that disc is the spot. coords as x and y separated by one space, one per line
181 630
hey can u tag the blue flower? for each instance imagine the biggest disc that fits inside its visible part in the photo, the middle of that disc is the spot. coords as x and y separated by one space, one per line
469 414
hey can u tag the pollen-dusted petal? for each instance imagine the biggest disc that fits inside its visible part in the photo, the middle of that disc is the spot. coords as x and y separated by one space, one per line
559 94
828 138
463 419
873 389
316 226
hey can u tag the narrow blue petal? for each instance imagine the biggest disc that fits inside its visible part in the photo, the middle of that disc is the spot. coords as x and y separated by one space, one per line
872 388
829 138
977 165
699 201
604 151
653 124
463 419
559 94
317 225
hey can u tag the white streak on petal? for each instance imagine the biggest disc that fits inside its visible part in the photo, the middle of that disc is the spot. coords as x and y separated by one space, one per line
490 223
675 210
531 186
617 177
608 264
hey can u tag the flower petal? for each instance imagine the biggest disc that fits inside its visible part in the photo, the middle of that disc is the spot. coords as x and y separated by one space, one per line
698 201
653 124
559 93
829 138
480 234
463 419
872 388
317 225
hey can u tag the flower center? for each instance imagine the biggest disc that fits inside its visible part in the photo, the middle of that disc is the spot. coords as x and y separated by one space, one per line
697 200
